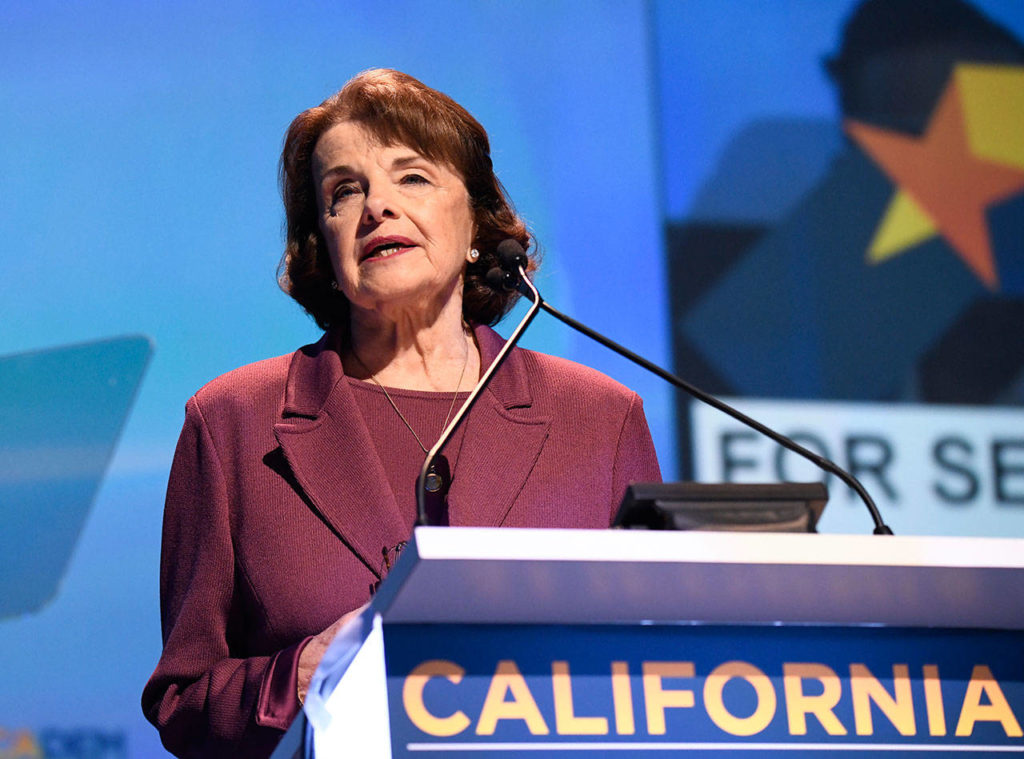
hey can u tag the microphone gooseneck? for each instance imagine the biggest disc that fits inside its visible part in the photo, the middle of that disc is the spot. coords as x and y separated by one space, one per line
501 280
513 261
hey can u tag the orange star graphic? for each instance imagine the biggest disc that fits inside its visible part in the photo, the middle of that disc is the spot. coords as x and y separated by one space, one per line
951 185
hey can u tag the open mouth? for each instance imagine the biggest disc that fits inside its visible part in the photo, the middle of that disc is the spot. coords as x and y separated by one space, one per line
386 247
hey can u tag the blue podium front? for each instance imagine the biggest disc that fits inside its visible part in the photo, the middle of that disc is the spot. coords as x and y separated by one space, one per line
616 643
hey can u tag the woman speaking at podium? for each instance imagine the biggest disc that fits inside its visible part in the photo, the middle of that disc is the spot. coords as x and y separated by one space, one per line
293 483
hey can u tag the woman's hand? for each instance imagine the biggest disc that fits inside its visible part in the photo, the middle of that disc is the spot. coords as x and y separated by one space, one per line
314 650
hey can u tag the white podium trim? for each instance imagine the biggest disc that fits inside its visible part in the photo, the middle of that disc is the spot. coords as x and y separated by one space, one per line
347 703
508 576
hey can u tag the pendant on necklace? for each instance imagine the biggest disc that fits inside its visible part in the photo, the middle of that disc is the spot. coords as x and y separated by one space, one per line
434 480
438 475
437 482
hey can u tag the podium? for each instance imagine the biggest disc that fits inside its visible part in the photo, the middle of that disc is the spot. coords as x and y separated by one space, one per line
502 642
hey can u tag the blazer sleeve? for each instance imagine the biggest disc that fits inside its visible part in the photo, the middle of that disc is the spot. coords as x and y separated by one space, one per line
205 697
635 457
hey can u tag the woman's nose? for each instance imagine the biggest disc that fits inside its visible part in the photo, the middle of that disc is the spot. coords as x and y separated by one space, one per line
379 205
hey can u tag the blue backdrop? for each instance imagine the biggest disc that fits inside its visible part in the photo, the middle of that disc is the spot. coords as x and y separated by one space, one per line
138 151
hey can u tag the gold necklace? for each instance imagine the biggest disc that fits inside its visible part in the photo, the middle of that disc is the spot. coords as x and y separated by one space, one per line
435 480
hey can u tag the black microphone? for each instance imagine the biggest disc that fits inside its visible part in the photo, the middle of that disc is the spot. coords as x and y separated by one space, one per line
513 274
511 257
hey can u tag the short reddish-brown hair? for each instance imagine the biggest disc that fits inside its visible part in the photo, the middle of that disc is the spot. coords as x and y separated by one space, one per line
397 110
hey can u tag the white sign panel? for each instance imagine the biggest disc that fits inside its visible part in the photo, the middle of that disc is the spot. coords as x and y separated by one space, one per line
932 470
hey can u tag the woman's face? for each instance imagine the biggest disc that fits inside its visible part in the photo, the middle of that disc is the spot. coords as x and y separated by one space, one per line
397 225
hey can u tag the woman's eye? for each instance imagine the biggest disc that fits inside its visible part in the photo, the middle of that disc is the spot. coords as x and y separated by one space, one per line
415 179
343 191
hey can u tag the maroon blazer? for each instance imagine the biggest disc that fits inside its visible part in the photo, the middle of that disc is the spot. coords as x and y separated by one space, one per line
278 510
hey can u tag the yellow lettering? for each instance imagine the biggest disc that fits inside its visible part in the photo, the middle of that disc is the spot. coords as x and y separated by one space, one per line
412 698
508 679
996 710
656 698
799 704
726 720
899 708
933 700
566 721
622 697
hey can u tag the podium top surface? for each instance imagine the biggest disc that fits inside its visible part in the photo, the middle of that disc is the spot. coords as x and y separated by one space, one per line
492 575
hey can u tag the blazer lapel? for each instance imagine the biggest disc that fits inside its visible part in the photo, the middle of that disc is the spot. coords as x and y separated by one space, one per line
329 450
503 440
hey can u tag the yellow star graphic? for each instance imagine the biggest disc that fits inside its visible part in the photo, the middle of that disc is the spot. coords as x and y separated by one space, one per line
970 157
